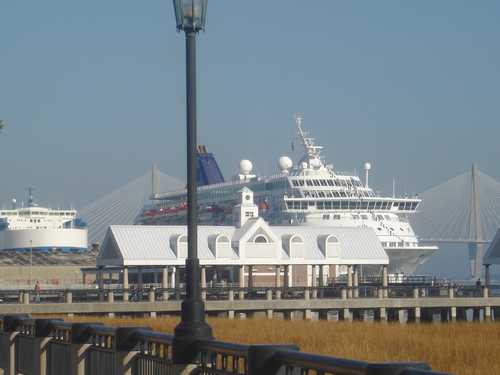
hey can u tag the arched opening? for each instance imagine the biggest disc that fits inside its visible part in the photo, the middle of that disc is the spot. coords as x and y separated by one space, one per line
261 239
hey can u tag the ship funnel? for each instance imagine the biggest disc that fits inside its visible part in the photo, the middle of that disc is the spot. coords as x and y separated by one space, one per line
367 166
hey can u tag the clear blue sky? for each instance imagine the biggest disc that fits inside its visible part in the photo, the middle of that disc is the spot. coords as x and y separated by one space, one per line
93 91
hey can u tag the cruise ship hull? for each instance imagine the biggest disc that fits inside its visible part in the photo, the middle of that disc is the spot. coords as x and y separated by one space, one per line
406 260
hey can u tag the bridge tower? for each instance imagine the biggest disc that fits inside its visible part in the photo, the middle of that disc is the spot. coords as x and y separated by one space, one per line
476 241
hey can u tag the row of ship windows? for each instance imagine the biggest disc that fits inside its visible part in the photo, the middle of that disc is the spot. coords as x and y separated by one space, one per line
351 205
398 244
337 194
33 213
358 217
337 182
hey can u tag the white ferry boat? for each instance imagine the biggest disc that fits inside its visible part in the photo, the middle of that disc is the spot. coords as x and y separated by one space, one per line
308 193
39 229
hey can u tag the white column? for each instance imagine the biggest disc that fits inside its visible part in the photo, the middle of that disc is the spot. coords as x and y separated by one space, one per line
385 280
290 275
241 277
309 275
172 278
286 279
277 276
164 283
203 282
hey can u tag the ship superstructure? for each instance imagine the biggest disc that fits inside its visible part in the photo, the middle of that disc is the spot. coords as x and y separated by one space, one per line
310 192
41 229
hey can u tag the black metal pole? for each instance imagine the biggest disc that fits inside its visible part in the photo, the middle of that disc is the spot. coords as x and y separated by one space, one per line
193 326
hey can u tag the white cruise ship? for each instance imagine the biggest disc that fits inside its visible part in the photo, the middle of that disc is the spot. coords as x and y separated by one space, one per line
310 192
38 229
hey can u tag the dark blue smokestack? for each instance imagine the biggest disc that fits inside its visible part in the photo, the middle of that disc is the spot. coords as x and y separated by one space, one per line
208 171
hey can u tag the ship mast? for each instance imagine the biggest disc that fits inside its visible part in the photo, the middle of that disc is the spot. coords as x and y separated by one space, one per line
312 151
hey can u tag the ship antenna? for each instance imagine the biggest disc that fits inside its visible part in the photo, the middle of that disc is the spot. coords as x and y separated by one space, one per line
311 150
31 201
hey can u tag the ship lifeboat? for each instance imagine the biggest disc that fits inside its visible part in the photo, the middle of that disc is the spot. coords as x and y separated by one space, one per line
263 205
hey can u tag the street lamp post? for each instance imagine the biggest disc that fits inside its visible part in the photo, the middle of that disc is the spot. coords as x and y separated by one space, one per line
31 263
190 16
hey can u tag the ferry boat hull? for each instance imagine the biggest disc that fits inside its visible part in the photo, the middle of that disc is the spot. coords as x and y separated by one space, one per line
64 239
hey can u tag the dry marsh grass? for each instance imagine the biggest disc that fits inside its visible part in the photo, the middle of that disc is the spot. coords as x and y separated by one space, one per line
462 348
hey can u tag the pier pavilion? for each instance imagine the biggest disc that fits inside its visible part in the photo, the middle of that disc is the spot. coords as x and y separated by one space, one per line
251 253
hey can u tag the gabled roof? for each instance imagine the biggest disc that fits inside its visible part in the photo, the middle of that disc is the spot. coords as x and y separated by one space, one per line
135 245
250 227
492 255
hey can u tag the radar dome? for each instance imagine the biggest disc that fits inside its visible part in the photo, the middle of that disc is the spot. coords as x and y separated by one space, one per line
245 167
285 163
367 166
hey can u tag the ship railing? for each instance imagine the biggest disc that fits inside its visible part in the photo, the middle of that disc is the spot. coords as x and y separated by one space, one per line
36 346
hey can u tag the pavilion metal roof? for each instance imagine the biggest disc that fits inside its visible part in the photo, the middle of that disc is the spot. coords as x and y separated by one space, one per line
135 245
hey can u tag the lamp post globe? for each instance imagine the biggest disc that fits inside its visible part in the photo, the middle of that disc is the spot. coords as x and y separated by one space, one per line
190 16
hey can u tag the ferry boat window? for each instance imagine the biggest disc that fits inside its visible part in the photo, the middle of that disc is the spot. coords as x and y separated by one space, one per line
414 205
323 182
384 244
363 205
329 194
330 183
378 204
335 205
328 205
321 194
344 183
336 217
320 206
303 205
343 194
316 182
364 217
309 183
344 205
371 205
355 217
326 217
311 203
307 194
336 194
301 182
295 183
354 205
